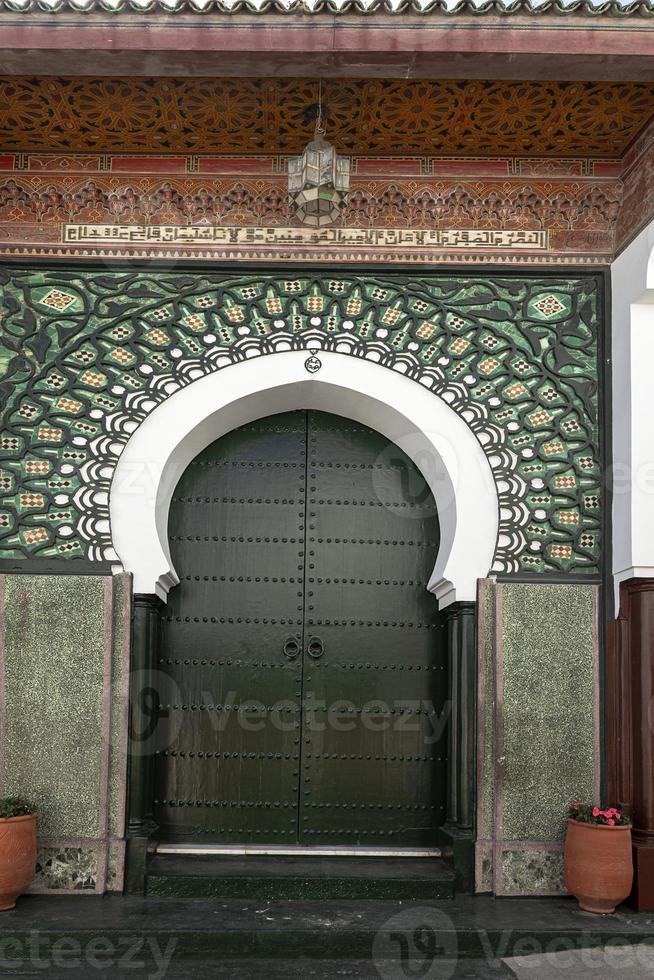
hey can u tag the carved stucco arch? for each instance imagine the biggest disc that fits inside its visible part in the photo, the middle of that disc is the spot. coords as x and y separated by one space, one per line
90 355
437 439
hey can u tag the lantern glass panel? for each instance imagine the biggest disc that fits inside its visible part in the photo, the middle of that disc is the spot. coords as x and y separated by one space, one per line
342 179
295 175
318 182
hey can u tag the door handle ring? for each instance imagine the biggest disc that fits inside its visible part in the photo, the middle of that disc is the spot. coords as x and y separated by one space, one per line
315 647
291 648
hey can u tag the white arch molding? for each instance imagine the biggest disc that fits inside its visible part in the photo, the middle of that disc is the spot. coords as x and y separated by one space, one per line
431 433
632 302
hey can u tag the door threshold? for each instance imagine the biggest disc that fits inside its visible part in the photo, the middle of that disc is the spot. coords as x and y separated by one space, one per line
281 851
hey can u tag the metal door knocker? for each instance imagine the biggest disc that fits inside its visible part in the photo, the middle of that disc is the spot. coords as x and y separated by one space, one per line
315 647
292 648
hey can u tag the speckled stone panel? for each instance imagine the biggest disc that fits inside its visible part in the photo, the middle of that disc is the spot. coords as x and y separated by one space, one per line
485 735
54 661
486 640
116 866
119 699
549 656
483 867
532 872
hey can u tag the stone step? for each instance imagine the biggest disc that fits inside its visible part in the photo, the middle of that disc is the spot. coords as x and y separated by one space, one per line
272 878
122 930
300 968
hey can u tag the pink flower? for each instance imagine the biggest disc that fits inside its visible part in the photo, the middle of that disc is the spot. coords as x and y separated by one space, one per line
596 811
610 822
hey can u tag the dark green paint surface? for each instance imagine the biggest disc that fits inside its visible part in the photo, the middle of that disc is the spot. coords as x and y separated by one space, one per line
304 671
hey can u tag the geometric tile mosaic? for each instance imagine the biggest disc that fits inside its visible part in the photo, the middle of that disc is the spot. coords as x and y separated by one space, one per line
85 356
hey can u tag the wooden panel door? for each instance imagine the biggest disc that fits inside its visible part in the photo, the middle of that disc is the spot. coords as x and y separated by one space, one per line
305 657
232 640
373 744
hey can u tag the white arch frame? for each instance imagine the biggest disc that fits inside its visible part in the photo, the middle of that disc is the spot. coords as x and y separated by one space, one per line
632 303
431 433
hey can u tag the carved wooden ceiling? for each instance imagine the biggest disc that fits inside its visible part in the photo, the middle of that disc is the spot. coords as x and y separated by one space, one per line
363 116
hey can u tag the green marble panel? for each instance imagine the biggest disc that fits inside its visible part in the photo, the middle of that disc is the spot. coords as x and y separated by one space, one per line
54 653
549 652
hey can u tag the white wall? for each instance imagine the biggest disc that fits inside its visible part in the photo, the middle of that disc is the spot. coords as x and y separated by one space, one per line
632 276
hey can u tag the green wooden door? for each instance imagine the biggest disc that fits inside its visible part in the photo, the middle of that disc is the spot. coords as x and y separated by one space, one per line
306 659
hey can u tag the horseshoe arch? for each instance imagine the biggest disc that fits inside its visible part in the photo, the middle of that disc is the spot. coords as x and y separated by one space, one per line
431 433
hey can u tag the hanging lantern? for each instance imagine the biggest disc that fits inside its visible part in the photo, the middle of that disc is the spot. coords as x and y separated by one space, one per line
319 180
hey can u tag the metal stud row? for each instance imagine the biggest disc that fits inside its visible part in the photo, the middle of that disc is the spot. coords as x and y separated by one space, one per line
232 804
345 710
369 666
254 665
366 581
365 503
237 500
370 622
239 578
230 619
370 806
258 707
240 539
252 464
377 541
227 755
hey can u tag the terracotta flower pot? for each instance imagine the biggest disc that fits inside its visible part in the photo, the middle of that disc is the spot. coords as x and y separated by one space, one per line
17 857
598 868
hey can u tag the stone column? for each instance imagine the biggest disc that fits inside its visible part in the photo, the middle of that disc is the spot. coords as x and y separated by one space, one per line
458 833
143 700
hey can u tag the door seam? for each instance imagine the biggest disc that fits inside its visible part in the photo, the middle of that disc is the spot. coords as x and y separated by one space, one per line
307 426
